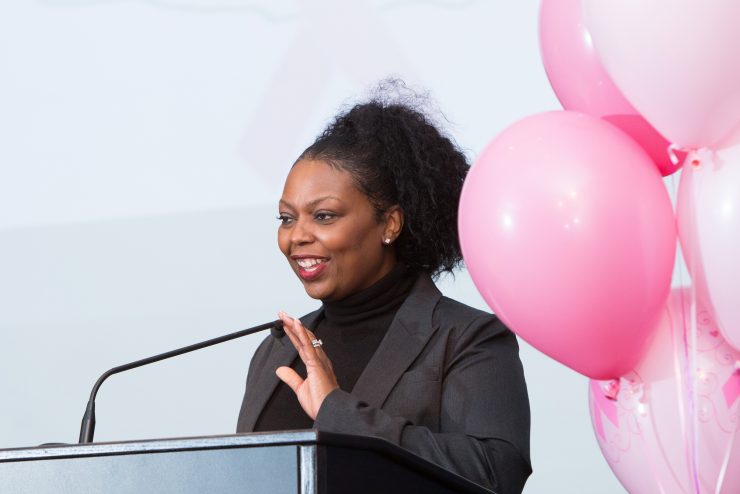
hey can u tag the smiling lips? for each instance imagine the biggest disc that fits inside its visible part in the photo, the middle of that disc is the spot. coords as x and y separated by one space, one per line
310 268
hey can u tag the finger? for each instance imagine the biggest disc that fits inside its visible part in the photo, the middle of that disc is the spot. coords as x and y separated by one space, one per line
320 353
289 327
289 377
314 354
310 334
289 322
311 338
296 333
302 333
285 319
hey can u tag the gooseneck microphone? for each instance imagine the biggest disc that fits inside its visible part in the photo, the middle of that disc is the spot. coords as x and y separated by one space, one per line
87 430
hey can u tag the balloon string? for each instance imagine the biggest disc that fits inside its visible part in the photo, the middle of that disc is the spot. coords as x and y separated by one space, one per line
684 370
690 388
694 159
682 366
725 461
658 450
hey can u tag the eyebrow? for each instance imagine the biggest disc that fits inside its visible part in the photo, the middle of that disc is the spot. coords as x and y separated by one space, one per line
312 203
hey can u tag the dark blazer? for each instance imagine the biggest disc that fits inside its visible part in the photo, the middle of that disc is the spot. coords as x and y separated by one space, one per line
445 383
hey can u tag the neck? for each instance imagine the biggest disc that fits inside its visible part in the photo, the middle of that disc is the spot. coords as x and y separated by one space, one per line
387 294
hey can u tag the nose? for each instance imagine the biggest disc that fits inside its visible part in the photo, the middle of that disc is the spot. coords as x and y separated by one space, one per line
302 232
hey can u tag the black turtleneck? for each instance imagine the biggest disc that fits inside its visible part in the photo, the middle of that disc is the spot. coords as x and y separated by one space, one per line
351 330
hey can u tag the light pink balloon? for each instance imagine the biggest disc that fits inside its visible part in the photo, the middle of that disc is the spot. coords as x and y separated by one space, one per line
708 210
676 61
582 84
568 233
656 435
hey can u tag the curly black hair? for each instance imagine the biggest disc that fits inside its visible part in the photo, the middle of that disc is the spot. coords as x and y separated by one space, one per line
397 156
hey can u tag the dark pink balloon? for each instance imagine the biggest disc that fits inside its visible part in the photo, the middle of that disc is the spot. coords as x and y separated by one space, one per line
581 82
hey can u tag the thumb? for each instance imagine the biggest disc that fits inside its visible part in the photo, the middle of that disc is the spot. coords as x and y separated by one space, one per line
289 377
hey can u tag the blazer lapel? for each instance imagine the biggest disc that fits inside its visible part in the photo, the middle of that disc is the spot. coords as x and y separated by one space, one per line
405 339
265 380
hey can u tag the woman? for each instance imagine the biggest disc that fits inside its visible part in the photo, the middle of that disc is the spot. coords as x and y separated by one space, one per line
368 216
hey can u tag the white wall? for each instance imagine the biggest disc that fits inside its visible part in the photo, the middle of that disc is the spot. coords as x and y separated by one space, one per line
143 145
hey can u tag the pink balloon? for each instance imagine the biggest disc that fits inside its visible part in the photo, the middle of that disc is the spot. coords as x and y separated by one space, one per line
582 84
708 208
676 61
575 72
655 435
568 233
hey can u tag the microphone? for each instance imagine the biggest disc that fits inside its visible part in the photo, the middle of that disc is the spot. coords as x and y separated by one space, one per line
87 429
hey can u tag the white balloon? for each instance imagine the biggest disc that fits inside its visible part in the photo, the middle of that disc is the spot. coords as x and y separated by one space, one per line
709 229
676 61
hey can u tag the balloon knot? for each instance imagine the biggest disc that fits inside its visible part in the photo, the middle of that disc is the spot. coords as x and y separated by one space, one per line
697 157
611 389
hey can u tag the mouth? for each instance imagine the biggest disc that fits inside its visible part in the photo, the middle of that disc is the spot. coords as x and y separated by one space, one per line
309 267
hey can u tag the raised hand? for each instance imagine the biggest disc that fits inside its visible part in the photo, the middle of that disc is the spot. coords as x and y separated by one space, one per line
320 379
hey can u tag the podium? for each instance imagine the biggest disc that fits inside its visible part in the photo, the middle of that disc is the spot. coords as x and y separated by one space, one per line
305 462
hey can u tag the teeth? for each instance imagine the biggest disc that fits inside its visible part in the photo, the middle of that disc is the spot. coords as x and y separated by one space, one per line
309 263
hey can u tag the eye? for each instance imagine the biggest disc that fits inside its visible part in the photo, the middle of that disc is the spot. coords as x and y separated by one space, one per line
284 219
324 216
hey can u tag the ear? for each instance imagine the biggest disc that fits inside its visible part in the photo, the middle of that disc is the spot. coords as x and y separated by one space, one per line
393 223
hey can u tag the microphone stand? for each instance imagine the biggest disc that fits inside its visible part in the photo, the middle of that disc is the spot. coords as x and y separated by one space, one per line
87 429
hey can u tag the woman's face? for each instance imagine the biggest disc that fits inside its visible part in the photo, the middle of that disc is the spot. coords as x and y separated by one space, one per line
329 232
